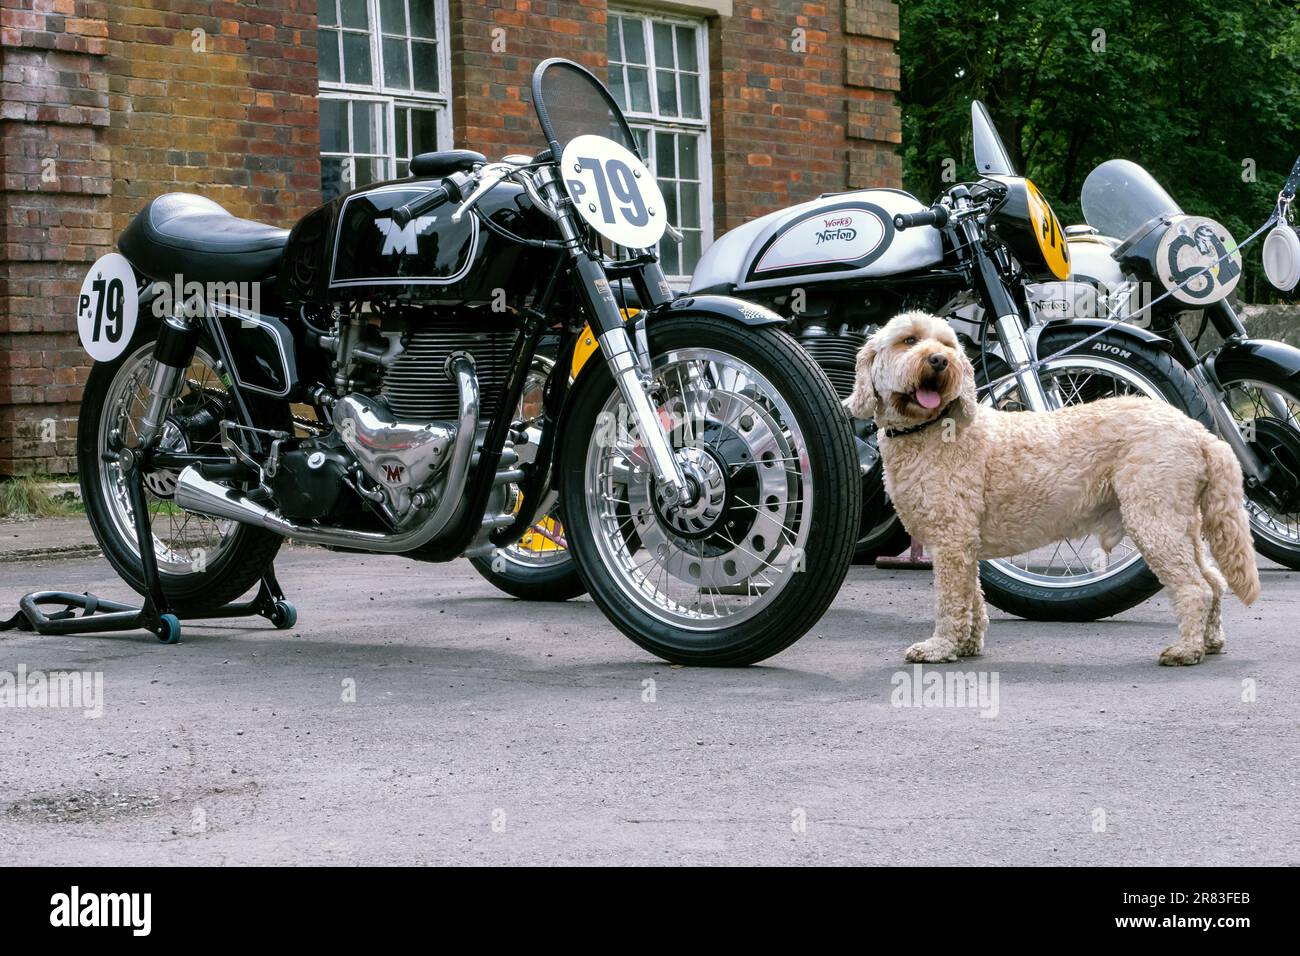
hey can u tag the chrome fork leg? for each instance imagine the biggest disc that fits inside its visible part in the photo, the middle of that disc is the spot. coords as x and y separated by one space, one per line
1015 345
623 364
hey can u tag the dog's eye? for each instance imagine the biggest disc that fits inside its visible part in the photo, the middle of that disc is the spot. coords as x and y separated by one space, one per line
910 340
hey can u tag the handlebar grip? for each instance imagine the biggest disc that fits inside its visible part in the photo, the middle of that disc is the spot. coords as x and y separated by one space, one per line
418 207
936 216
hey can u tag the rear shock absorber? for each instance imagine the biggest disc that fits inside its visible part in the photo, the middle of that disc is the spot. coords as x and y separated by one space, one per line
172 353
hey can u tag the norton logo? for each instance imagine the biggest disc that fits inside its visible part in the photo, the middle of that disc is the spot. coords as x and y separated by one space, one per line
76 909
402 240
839 228
393 473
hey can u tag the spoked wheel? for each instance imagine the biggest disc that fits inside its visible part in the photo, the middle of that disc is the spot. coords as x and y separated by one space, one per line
537 567
1266 408
202 562
1075 579
752 560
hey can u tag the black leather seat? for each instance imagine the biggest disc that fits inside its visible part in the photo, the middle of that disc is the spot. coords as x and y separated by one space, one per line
188 235
446 162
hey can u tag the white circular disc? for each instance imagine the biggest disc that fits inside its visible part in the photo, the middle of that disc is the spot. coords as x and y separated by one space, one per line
613 191
1282 257
106 308
1189 245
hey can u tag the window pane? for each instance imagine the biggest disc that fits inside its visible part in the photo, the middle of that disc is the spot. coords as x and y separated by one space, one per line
642 137
371 170
633 41
670 201
326 15
688 160
690 255
356 59
403 169
665 168
424 131
400 117
328 43
424 64
396 71
669 260
392 16
666 85
611 41
686 58
691 96
639 90
355 14
616 87
367 128
331 177
333 126
663 46
690 207
424 21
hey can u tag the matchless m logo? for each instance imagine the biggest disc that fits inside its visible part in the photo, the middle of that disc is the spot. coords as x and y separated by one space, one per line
403 239
393 473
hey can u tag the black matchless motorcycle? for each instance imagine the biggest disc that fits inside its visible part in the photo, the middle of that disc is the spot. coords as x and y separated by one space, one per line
357 383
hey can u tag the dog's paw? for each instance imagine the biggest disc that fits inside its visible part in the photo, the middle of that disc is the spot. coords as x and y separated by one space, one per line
1181 655
932 652
971 647
1215 645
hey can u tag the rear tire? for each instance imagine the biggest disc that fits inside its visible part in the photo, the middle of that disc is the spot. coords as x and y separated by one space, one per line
825 472
1004 587
238 559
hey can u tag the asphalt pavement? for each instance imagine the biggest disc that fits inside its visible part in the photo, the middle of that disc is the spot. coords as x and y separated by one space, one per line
417 716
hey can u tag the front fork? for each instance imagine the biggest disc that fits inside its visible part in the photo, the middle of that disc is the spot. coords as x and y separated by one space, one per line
629 363
1010 330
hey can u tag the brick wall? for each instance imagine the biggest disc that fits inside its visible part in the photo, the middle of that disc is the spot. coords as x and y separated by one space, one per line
104 104
802 94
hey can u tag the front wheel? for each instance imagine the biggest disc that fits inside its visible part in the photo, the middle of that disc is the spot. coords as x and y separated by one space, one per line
1074 579
754 560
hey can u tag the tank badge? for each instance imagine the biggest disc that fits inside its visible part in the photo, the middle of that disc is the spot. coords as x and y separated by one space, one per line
402 240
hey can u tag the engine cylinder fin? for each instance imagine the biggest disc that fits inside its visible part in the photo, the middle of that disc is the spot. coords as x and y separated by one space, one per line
415 386
836 354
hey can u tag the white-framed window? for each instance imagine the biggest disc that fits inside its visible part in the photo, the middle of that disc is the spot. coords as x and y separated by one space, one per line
384 97
659 74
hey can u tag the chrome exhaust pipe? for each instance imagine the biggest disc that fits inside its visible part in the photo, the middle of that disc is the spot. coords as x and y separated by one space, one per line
204 496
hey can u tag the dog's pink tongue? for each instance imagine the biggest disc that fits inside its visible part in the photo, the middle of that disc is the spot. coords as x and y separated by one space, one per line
927 398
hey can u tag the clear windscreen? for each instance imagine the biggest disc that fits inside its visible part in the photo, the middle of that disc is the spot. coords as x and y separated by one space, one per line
1119 197
991 156
571 102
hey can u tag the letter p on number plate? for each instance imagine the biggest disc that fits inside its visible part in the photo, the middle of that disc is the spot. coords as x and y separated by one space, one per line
613 191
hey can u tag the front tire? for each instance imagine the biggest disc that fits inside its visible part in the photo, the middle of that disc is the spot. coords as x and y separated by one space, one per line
754 562
1075 580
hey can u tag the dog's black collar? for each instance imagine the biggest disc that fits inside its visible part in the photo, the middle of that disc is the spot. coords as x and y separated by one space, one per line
897 432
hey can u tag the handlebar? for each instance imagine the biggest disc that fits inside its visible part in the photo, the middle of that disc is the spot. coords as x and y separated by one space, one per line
936 216
418 207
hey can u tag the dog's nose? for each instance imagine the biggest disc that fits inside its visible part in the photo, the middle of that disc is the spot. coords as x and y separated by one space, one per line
938 362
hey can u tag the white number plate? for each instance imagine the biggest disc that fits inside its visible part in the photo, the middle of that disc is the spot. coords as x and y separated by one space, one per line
107 307
613 191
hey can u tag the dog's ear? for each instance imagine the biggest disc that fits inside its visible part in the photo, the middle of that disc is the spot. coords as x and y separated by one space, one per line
863 400
967 400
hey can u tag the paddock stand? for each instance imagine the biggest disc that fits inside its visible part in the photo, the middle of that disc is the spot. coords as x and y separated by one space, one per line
101 615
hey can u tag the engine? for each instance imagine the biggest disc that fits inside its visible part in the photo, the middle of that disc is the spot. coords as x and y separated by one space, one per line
394 416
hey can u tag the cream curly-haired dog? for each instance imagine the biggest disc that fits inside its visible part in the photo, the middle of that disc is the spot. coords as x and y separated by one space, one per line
973 482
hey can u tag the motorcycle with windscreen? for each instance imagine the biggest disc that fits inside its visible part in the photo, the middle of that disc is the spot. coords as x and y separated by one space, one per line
361 389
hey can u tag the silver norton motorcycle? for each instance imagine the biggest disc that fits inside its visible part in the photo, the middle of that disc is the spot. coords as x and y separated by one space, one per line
843 264
361 389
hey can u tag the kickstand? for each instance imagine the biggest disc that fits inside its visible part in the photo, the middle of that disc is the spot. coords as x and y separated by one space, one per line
154 614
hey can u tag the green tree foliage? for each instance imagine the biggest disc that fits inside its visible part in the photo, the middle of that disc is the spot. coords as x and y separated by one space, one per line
1204 93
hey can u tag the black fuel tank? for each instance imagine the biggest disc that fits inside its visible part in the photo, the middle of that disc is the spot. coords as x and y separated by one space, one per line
350 249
